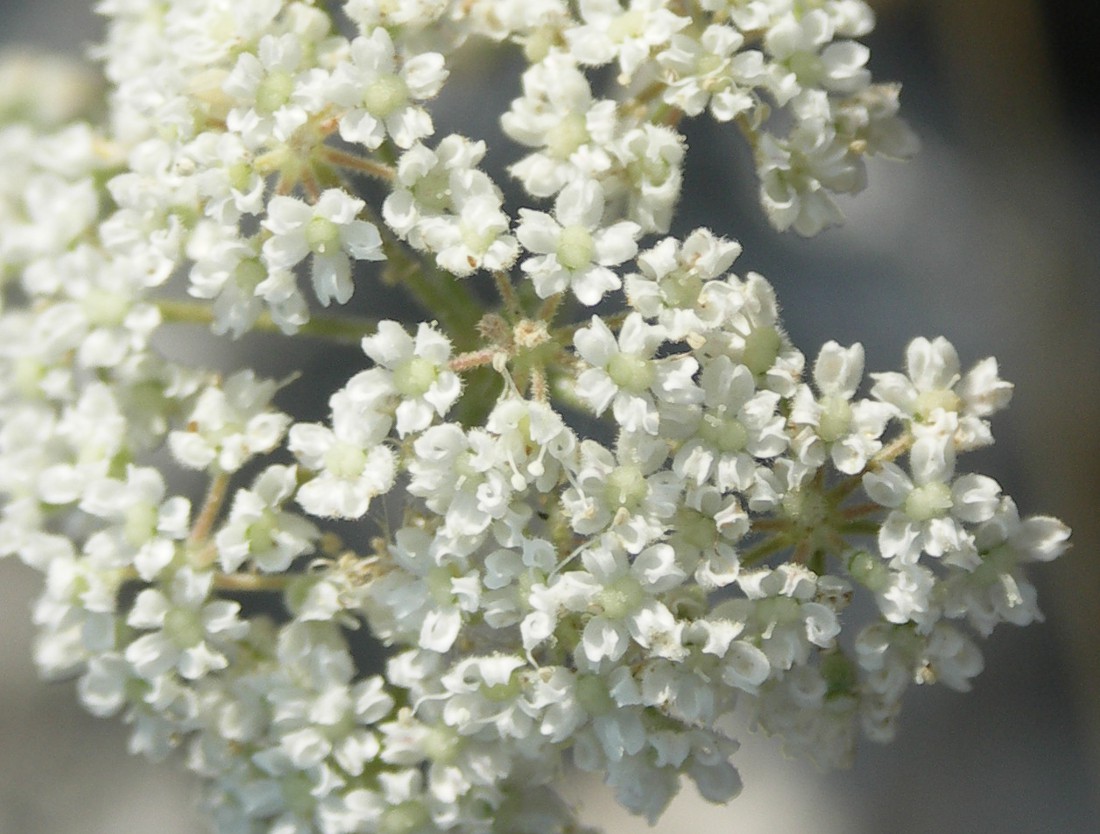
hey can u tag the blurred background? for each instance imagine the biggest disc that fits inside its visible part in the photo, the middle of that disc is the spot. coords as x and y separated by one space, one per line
989 238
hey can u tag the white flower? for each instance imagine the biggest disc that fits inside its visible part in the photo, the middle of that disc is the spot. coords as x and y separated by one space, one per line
276 90
188 633
558 115
146 528
628 35
626 376
329 231
711 70
414 370
573 250
628 493
931 509
624 600
431 183
461 476
933 382
230 423
352 464
258 529
735 426
379 93
849 430
675 286
996 590
649 172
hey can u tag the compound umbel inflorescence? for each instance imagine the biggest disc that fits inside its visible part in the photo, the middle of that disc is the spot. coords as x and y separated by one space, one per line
591 517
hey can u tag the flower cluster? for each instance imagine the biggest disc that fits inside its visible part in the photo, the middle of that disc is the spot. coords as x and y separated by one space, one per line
585 540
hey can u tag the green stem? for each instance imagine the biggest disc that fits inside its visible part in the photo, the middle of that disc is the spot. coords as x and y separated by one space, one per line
763 550
449 300
252 582
341 329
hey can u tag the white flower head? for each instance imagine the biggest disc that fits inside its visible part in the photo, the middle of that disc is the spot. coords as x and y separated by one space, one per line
258 529
231 422
415 371
378 91
330 231
573 250
351 463
626 376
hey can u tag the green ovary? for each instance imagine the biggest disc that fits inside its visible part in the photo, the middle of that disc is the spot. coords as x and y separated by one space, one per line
567 135
415 377
726 434
140 524
696 529
322 235
385 96
836 419
345 461
761 349
621 597
575 248
681 289
929 401
928 501
261 533
631 373
249 274
274 91
183 627
628 25
626 487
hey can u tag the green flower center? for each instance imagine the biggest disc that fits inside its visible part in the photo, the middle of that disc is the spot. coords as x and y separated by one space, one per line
696 529
575 248
415 377
626 486
261 533
929 401
621 597
631 373
681 289
183 627
433 190
322 236
249 274
140 524
567 135
345 461
928 501
385 96
761 349
836 418
274 91
628 25
727 434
